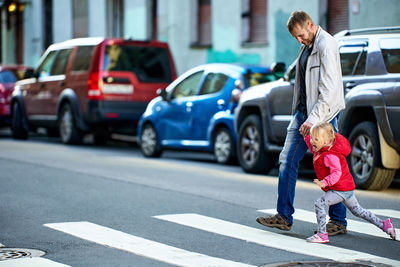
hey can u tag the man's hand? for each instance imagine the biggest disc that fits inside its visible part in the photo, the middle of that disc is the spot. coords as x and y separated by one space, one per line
319 183
305 128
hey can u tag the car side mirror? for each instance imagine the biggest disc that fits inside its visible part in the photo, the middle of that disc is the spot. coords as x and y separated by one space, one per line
278 69
28 74
161 92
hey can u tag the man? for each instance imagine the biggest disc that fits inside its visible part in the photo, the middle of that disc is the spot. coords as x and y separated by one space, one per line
318 97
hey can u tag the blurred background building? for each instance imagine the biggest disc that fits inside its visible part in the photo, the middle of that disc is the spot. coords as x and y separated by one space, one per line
198 31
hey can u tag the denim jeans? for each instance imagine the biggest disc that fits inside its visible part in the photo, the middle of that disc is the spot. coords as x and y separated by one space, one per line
293 151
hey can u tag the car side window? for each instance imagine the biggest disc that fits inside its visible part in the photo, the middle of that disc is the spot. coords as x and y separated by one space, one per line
44 69
82 58
391 54
60 62
189 86
353 60
214 82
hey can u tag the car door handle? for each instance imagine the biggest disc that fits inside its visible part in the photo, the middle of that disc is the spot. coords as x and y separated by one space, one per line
62 83
189 106
350 85
221 103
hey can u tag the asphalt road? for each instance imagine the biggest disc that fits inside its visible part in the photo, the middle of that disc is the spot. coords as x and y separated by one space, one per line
109 206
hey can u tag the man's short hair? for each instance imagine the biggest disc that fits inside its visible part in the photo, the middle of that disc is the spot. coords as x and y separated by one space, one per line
297 17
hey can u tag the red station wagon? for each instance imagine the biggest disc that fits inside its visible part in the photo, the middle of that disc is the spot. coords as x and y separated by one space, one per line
91 85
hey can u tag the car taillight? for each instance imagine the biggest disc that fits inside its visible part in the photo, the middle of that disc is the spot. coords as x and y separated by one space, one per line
95 84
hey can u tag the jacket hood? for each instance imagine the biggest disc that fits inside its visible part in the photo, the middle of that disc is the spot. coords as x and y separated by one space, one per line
341 145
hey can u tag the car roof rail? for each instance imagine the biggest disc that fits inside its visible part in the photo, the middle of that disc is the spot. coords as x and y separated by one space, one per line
393 29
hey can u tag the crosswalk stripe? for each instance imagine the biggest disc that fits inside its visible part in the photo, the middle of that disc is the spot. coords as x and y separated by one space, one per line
387 213
140 246
271 239
352 225
31 262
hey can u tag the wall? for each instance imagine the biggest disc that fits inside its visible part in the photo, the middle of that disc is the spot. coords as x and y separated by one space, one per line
283 47
33 32
373 13
97 18
135 19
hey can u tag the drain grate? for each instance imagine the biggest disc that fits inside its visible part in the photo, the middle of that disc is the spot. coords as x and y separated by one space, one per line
17 253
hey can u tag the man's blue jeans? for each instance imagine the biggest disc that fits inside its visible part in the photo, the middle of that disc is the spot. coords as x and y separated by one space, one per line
293 151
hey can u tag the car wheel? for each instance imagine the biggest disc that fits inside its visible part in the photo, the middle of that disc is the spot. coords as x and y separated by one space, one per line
251 154
149 142
69 132
365 158
17 125
223 146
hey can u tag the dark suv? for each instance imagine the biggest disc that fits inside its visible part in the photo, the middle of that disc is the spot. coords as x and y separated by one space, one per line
370 60
91 85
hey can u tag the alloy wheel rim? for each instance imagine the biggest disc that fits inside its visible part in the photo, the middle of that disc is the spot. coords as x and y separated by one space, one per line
66 124
222 146
362 157
149 141
250 145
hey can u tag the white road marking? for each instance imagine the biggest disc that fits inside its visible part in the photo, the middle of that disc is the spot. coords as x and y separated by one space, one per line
387 213
271 239
140 246
352 225
31 262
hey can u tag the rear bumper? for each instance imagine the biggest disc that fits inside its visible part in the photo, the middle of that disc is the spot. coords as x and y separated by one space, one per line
115 114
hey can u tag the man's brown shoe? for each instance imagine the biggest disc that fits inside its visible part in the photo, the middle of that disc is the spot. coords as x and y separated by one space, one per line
335 228
275 221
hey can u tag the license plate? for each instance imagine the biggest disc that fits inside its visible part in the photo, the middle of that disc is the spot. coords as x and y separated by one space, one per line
117 88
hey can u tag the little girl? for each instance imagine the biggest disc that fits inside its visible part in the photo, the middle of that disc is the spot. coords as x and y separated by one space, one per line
330 150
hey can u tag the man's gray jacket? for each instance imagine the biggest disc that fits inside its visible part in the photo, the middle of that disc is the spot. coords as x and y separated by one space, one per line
323 80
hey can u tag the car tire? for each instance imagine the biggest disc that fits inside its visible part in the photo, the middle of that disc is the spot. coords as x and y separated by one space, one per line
365 158
250 149
69 132
17 123
224 149
149 142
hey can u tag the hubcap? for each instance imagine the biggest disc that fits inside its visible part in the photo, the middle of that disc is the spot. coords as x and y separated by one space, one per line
250 145
66 125
149 140
222 146
362 157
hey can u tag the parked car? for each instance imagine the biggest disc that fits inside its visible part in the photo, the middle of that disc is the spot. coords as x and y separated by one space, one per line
195 112
370 60
91 85
9 74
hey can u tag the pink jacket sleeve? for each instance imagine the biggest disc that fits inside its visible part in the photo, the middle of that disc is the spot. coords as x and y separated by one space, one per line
308 142
333 163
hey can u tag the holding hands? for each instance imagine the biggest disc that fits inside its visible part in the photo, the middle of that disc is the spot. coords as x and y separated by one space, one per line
319 183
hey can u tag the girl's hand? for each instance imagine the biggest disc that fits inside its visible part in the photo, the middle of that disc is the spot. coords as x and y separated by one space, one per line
319 183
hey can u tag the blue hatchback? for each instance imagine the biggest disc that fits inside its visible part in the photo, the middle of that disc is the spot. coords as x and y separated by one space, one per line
195 112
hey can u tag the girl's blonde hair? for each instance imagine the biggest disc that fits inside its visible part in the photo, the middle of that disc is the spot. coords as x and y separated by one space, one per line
326 127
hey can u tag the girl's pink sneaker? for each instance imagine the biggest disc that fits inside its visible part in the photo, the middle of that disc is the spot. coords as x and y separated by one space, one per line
389 228
319 238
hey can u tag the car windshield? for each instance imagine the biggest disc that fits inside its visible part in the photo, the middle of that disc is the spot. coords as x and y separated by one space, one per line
255 78
150 64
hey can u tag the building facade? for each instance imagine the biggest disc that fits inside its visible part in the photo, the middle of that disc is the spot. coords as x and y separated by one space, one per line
198 31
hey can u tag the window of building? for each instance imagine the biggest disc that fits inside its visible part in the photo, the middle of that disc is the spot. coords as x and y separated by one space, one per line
80 18
154 20
204 22
254 21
